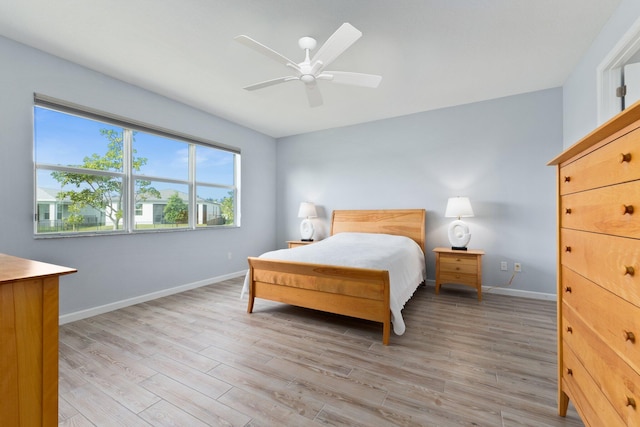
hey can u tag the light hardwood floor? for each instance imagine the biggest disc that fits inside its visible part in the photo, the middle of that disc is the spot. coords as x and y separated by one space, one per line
198 359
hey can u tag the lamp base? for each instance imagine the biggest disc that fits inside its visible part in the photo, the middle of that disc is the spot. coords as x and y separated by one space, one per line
458 248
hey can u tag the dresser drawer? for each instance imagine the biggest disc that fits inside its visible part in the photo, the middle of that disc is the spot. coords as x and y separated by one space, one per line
604 166
619 329
611 210
614 378
612 262
590 400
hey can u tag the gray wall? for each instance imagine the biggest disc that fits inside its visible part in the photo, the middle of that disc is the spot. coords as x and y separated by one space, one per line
494 152
580 91
114 268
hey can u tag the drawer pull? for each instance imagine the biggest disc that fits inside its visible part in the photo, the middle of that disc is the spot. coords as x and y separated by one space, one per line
625 157
629 336
567 248
567 211
568 289
569 371
629 270
627 209
569 329
631 402
567 178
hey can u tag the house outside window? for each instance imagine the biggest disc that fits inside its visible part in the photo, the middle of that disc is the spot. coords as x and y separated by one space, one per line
99 174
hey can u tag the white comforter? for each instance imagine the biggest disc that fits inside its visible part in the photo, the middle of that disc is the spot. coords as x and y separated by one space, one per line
400 255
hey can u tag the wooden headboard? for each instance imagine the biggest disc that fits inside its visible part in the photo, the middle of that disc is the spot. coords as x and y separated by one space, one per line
399 222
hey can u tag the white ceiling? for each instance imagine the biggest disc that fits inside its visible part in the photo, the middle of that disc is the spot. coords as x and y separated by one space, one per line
430 53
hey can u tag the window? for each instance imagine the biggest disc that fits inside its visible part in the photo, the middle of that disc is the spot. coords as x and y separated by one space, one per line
611 75
101 174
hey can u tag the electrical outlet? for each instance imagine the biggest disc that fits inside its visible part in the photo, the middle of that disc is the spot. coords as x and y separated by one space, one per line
517 267
503 266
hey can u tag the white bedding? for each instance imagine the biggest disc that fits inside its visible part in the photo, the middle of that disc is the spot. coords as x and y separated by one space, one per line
400 255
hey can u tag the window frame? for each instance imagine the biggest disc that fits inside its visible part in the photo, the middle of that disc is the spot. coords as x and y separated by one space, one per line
128 175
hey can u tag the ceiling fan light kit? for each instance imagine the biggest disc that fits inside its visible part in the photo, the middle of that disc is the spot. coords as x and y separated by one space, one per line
313 68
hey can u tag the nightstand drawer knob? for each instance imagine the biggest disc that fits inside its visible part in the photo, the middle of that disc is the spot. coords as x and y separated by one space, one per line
625 157
627 209
631 402
629 336
629 270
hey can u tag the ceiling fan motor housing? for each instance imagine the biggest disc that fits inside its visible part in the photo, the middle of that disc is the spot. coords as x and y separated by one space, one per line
307 43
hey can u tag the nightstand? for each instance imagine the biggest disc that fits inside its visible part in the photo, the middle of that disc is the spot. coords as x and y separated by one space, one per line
463 267
296 243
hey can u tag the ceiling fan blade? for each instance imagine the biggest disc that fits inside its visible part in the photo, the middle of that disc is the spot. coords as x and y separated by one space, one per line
270 82
339 41
354 79
259 47
313 94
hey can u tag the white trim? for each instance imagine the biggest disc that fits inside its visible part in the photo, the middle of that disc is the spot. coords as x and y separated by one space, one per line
500 290
94 311
608 72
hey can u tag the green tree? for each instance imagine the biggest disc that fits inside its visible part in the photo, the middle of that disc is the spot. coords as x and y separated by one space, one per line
226 208
176 211
75 218
103 193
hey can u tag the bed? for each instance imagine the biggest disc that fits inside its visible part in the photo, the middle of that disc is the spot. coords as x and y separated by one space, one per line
361 292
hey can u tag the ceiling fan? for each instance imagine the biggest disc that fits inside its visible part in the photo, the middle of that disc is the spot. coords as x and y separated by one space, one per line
312 69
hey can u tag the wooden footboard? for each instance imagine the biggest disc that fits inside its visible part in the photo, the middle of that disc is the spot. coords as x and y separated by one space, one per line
357 292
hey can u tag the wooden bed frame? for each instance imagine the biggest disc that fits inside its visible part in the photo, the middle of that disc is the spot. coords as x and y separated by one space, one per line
356 292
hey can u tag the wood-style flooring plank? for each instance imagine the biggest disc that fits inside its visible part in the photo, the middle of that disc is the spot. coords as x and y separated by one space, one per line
197 358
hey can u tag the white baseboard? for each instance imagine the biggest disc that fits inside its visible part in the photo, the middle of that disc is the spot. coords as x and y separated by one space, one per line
499 290
518 293
94 311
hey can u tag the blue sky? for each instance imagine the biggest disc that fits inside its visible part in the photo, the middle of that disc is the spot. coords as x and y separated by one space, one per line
63 139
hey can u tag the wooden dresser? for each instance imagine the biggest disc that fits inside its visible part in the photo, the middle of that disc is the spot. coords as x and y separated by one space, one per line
599 274
29 342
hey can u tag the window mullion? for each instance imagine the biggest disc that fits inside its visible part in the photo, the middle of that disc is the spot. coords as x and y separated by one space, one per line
193 205
128 182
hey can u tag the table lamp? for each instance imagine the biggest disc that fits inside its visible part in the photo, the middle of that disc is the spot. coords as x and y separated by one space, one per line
307 210
459 236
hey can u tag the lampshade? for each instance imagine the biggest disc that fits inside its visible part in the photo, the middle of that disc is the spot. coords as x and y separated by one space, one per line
307 210
458 207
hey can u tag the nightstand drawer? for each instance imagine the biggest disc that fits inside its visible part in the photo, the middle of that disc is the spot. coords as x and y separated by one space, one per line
459 265
297 243
463 279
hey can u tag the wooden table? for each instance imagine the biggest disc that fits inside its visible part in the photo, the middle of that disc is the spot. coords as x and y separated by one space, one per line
29 341
455 266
